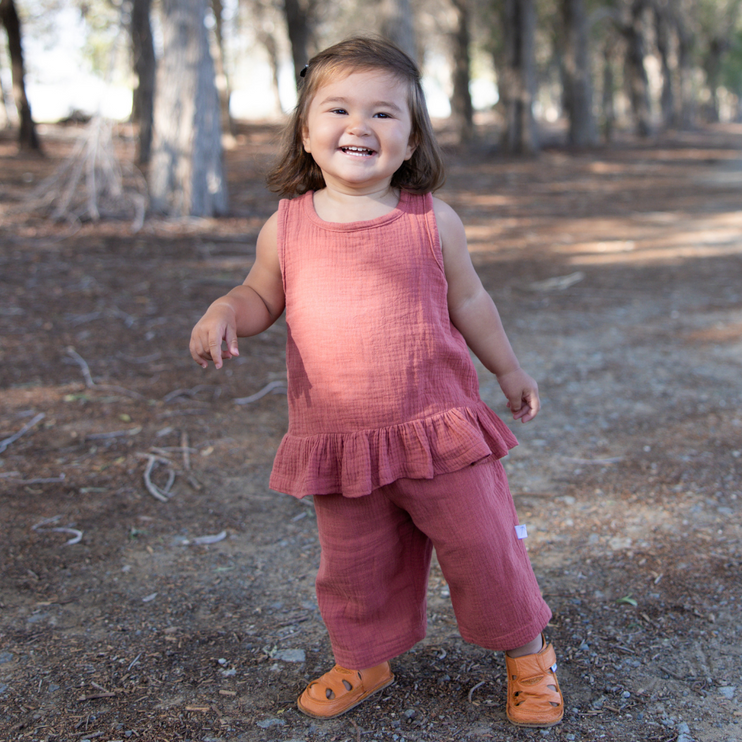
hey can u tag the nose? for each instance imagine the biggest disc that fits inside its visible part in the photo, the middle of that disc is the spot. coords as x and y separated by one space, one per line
358 126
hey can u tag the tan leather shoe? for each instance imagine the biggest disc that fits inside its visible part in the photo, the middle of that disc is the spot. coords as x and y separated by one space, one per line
340 690
534 698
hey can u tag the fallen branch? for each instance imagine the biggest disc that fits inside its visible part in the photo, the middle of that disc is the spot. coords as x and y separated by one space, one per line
159 494
42 480
558 283
473 688
80 361
186 451
113 434
92 183
170 396
13 438
205 540
276 387
92 697
77 534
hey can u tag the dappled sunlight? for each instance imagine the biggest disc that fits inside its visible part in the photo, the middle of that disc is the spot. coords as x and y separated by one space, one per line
718 333
681 238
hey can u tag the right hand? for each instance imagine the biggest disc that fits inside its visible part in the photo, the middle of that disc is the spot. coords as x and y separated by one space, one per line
218 325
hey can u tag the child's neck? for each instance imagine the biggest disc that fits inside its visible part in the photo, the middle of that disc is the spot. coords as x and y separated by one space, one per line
334 205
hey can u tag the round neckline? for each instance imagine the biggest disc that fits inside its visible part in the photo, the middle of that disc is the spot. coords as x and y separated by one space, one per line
390 216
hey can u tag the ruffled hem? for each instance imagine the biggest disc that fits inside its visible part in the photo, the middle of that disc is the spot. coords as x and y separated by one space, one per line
355 464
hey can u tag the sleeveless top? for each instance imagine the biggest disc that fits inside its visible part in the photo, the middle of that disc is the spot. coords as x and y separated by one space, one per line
381 385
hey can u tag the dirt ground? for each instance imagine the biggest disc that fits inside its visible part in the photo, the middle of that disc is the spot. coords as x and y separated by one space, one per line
618 273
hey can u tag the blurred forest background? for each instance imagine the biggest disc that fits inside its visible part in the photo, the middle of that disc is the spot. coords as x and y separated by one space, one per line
182 71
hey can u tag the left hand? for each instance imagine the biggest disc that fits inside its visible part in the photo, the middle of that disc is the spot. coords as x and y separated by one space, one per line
521 391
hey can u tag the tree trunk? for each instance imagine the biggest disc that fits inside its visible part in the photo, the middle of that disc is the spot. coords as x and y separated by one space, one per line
186 175
145 66
712 66
222 79
516 76
663 33
27 137
299 24
461 105
636 71
397 25
577 75
686 111
268 40
4 111
609 110
265 33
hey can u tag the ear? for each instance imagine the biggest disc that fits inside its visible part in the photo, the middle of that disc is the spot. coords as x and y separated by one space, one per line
305 140
411 147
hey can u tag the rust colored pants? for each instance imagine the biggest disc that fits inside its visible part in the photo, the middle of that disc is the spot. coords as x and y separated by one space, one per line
376 551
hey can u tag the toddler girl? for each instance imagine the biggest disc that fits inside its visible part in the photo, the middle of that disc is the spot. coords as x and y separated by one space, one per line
386 427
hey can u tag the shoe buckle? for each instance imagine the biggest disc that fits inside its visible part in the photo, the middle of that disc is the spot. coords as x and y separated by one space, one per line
553 667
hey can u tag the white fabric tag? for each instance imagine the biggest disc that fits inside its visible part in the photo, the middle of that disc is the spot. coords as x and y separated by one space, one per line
521 531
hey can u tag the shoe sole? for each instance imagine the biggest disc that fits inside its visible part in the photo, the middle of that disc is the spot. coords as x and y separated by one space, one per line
350 708
545 725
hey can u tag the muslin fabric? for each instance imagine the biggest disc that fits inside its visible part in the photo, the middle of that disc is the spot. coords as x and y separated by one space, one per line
381 385
376 553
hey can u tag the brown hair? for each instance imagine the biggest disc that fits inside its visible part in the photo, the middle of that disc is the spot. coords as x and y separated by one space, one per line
297 172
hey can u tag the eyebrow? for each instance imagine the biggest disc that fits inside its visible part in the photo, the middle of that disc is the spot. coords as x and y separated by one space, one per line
375 104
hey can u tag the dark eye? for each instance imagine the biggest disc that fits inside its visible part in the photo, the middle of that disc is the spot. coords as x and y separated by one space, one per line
382 115
341 111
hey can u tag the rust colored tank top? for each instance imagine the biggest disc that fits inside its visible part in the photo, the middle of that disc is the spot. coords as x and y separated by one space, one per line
380 383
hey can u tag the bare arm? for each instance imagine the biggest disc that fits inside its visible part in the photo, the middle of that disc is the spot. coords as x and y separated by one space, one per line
246 310
476 317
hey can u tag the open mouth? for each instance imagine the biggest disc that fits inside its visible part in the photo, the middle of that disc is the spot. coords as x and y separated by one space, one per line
358 151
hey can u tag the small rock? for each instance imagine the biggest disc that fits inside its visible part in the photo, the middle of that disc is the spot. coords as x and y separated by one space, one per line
619 543
410 714
268 723
290 655
728 691
5 657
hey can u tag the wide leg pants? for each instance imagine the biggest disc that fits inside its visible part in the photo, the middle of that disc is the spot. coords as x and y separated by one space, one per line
376 552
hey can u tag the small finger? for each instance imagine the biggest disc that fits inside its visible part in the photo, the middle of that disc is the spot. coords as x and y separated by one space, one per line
197 355
215 350
231 340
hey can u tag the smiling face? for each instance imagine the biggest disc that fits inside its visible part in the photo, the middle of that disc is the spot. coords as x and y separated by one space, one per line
358 130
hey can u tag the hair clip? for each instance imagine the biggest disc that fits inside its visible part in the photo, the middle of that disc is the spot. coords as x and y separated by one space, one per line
303 73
